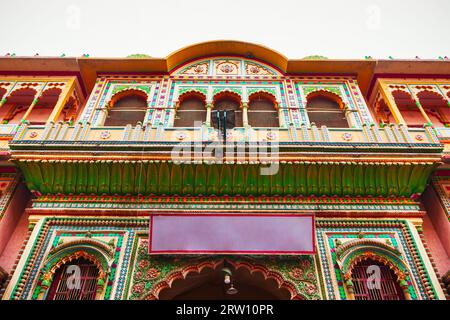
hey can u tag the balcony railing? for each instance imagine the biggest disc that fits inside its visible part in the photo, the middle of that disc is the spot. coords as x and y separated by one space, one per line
390 136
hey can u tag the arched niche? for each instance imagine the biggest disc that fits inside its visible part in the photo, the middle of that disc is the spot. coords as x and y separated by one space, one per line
16 105
190 110
436 107
97 253
408 108
205 280
126 107
326 109
263 110
352 253
231 103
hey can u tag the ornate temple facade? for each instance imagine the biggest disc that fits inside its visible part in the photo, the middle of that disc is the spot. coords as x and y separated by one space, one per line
224 170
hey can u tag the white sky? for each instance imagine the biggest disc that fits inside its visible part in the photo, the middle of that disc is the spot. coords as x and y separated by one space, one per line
334 28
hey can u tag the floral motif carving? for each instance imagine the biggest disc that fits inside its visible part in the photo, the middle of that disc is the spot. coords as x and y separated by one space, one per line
155 273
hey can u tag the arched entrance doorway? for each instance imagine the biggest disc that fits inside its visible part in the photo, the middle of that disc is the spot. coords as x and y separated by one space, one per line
210 284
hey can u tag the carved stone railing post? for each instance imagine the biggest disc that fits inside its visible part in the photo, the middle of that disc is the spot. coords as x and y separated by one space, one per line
48 129
431 134
76 131
325 133
85 131
293 132
398 137
127 132
147 132
404 131
137 132
389 135
315 132
376 133
367 133
55 131
305 133
21 130
63 132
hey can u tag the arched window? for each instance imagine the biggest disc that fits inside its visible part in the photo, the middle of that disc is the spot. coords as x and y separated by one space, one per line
408 109
435 107
44 106
326 110
16 105
128 109
64 286
367 288
262 111
191 111
228 104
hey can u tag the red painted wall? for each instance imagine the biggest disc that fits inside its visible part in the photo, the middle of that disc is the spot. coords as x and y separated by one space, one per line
13 228
436 229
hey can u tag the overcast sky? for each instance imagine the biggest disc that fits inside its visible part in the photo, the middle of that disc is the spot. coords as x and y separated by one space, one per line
336 29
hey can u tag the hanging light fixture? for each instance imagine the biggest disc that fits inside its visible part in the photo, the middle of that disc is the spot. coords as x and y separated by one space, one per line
227 279
232 290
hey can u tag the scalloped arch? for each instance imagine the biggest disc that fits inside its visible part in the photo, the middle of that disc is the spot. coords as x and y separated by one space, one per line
227 93
19 90
125 93
266 94
325 93
436 95
191 93
252 268
95 251
358 250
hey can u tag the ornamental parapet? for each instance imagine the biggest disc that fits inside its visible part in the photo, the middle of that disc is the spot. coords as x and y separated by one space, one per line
80 159
397 138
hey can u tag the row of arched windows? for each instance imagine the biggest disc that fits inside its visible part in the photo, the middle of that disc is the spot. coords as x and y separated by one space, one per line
18 104
261 111
433 105
388 288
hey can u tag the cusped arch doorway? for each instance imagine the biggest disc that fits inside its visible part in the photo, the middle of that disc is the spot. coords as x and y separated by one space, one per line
209 284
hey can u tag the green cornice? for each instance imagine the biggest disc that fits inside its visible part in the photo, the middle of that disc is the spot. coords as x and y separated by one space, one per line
139 177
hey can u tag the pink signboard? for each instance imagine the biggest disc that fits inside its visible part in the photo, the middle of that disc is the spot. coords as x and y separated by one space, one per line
231 234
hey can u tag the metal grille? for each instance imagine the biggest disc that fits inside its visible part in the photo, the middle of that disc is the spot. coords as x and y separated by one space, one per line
62 287
388 288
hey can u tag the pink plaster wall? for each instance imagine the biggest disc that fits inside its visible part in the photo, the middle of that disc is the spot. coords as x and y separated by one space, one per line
13 228
436 229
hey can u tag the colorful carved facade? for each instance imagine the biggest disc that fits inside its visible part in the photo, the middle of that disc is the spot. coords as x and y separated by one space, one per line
92 149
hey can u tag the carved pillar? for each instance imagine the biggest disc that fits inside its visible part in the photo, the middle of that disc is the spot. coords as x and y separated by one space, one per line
404 285
45 285
30 108
419 105
389 99
245 114
208 114
281 121
102 115
350 289
62 100
100 288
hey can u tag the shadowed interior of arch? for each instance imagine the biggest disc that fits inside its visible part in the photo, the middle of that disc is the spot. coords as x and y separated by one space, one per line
262 111
209 285
325 111
127 110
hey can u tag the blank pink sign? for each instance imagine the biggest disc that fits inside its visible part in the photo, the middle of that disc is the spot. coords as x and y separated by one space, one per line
235 234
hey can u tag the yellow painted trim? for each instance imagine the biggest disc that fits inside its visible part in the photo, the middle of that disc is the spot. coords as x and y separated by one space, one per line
389 99
63 97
